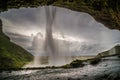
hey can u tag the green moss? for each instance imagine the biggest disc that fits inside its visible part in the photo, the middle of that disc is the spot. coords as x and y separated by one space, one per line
95 61
104 11
74 64
11 55
65 66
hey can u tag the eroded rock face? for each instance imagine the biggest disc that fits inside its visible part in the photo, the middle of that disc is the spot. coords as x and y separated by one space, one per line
0 26
101 10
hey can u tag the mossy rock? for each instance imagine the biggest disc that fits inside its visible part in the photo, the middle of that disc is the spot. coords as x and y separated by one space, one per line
76 63
118 56
95 61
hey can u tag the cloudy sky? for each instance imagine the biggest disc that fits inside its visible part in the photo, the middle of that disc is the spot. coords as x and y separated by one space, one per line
77 30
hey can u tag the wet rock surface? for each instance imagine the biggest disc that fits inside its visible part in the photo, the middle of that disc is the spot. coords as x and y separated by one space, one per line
108 69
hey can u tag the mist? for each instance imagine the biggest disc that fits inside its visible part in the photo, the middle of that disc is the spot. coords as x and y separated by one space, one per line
76 33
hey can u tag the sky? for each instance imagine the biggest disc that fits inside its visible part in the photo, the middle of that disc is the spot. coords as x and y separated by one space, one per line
77 33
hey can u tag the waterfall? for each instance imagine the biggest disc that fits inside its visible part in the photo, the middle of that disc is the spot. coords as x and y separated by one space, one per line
51 46
57 34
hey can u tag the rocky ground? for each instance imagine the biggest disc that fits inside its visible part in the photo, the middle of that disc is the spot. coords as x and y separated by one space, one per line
108 69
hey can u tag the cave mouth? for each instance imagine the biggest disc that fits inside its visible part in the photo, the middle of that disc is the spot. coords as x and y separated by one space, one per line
54 35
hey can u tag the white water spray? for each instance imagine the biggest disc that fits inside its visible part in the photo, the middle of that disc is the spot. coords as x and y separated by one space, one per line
57 34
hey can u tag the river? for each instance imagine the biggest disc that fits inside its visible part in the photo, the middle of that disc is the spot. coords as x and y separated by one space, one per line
108 69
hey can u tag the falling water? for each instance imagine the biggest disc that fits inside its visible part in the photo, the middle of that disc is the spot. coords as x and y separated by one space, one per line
57 33
51 46
36 46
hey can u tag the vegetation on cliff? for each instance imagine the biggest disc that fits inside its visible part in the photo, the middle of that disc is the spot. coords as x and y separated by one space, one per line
11 55
96 60
112 52
104 11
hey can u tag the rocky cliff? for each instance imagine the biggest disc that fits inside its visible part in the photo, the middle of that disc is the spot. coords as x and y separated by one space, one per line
112 52
104 11
11 55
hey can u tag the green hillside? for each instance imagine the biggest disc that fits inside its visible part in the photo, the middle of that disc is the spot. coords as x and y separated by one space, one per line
11 55
104 11
112 52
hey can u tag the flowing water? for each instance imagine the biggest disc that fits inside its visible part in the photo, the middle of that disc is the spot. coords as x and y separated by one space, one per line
57 33
56 57
108 69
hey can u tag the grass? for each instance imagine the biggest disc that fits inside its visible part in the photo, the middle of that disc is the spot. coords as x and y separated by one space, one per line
75 64
104 11
11 55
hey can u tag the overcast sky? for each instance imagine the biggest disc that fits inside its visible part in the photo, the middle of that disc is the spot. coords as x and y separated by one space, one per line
80 30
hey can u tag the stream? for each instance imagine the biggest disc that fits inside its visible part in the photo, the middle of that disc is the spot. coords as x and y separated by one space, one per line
108 69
